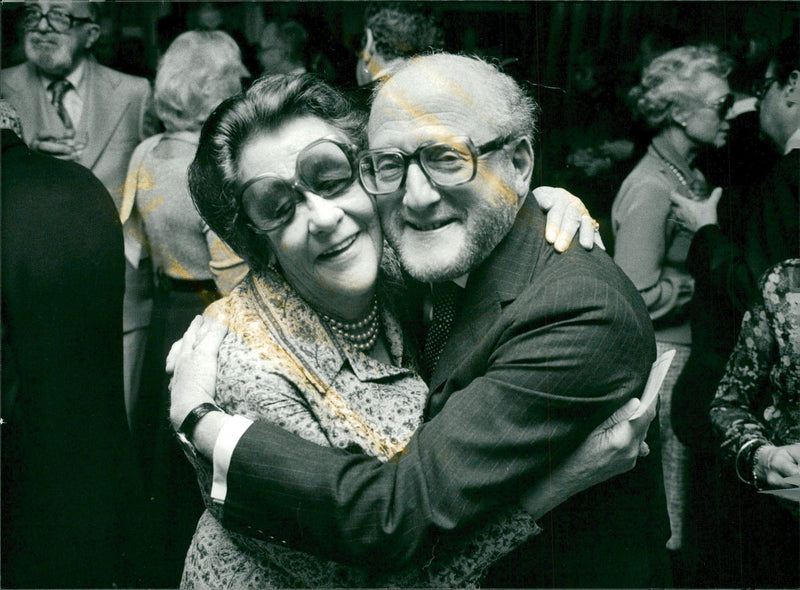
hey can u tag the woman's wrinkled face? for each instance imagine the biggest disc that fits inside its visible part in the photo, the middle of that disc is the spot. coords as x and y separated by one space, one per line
706 122
330 249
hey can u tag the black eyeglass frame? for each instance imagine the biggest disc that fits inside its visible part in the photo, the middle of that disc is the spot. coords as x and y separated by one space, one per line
760 88
298 184
722 105
475 153
30 25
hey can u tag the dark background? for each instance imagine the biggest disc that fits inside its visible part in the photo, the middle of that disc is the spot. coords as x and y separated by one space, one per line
578 59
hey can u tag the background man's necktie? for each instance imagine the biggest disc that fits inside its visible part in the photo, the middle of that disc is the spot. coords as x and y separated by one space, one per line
445 297
59 89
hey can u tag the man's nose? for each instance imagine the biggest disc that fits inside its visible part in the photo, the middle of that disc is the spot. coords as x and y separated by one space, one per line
419 191
324 215
43 25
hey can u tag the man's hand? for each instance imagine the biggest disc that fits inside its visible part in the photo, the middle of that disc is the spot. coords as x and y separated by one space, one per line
696 214
64 147
193 362
611 448
566 216
776 463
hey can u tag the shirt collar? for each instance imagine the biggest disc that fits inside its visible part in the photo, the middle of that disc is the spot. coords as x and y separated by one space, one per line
75 77
793 143
462 280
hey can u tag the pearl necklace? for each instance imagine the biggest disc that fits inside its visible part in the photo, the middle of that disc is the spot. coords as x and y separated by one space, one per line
362 334
695 196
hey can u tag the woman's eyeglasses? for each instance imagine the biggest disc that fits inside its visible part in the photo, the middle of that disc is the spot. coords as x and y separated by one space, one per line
722 106
59 21
324 167
761 87
384 171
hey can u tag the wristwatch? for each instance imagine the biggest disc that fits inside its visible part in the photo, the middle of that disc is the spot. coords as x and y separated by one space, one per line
189 423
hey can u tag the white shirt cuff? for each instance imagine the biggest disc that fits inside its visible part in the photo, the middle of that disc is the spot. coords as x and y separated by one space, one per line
232 430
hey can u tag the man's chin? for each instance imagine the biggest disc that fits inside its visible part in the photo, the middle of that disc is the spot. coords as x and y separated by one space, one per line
433 269
49 64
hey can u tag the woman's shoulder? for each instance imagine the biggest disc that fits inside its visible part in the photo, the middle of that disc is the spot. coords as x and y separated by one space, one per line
649 173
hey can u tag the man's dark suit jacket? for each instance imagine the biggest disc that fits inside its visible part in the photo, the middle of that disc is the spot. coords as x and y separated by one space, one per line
68 476
546 346
758 228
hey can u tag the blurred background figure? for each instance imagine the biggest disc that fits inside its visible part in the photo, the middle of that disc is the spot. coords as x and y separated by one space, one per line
684 95
193 267
72 510
756 414
282 48
732 246
205 16
393 33
74 108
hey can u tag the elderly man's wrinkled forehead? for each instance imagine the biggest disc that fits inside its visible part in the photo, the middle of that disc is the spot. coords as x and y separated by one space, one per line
436 88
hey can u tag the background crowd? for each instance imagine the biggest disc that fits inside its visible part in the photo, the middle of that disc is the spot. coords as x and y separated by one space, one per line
648 114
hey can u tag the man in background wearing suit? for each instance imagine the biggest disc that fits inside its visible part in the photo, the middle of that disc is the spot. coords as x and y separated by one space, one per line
73 507
543 347
73 108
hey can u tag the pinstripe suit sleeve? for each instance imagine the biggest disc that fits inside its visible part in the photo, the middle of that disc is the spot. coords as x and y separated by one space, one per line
562 356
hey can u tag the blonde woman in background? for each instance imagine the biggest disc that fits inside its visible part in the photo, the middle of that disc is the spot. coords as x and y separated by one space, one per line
193 267
684 97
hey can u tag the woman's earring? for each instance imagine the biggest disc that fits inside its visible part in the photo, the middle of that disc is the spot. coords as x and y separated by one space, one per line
682 124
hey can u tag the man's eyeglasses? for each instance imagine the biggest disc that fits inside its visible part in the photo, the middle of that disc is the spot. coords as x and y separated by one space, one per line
384 171
761 87
722 106
324 167
59 21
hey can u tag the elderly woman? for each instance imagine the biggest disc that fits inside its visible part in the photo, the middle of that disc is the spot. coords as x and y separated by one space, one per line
756 413
314 339
192 265
684 96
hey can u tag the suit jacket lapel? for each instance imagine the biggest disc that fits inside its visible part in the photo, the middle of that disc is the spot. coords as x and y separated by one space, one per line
495 283
102 112
32 103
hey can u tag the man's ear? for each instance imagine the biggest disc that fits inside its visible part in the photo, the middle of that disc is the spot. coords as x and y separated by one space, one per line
522 159
92 36
792 88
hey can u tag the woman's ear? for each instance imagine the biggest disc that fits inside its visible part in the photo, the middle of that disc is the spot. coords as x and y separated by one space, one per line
369 42
679 115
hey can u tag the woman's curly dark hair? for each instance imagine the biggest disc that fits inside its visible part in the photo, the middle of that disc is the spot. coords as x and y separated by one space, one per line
269 103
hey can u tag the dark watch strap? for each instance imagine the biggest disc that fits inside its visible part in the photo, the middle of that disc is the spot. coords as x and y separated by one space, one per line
193 417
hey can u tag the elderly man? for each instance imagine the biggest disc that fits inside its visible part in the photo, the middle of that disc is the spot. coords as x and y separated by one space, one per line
74 108
543 346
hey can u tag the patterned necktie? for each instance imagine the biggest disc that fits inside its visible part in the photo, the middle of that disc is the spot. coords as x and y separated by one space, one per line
59 89
444 297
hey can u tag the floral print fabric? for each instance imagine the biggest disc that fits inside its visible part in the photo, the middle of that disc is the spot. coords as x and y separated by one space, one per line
280 363
759 395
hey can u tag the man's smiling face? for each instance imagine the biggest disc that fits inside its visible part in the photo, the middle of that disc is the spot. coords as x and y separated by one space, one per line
443 232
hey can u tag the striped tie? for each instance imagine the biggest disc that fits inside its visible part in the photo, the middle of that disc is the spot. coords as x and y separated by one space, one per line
59 89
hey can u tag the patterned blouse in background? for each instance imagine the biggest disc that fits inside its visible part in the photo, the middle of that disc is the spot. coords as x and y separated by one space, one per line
759 395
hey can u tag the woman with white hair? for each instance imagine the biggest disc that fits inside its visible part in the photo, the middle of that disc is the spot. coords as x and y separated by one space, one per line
684 97
193 267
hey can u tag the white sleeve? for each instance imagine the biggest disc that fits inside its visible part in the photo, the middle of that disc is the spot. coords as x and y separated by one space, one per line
232 430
